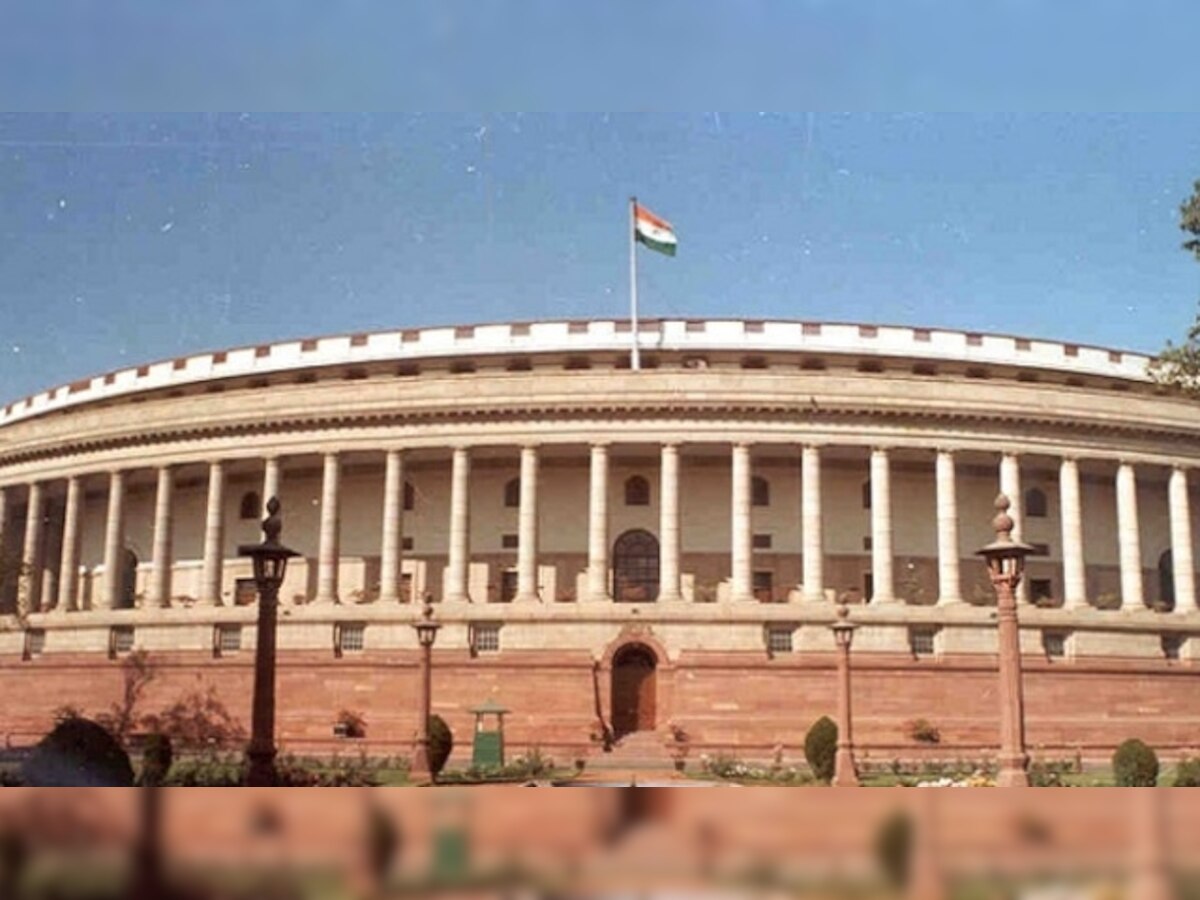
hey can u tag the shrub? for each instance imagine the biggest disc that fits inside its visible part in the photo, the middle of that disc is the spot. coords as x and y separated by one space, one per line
157 756
208 770
1135 765
1187 773
441 743
924 732
78 753
820 748
893 848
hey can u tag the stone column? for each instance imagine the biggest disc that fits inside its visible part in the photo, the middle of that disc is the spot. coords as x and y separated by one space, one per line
949 582
68 570
271 481
457 567
1010 486
393 527
527 528
1074 583
164 526
810 514
741 581
1182 568
881 528
328 556
1129 540
114 542
598 525
29 592
668 567
214 537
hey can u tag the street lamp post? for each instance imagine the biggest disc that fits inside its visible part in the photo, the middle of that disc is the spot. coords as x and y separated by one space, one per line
270 564
427 628
845 772
1005 560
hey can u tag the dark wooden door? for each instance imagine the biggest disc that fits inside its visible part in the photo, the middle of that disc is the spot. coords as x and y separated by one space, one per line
634 694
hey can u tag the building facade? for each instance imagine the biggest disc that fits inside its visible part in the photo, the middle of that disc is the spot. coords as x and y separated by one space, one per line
613 550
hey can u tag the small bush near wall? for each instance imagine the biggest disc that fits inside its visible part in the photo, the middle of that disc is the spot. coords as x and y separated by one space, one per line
820 748
924 732
1187 773
441 743
78 753
1135 765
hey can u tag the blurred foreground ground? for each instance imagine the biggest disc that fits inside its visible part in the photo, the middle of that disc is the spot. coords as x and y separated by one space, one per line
483 842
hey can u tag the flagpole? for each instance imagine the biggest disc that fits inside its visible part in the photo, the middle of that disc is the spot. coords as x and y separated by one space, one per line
635 358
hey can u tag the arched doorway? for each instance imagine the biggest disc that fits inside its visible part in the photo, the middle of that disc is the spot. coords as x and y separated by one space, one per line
635 567
634 692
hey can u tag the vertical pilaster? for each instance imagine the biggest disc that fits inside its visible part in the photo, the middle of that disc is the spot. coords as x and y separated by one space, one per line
114 543
949 581
598 524
455 589
164 528
1074 583
214 537
527 530
1129 541
881 528
393 527
68 570
1182 566
811 523
272 480
669 589
741 583
29 592
1010 486
328 550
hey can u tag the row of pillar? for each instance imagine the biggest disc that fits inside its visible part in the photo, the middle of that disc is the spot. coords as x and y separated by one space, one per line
670 589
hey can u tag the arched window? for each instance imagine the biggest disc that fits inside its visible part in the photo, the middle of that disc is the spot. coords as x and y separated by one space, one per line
760 491
866 494
410 497
512 493
1035 503
637 491
1166 582
251 507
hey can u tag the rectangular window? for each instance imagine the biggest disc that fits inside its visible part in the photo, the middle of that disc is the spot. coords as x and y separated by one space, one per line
120 640
508 586
1054 643
764 587
406 543
922 641
245 592
779 638
406 588
1040 589
35 642
1172 646
485 637
509 542
227 639
350 637
868 544
1040 550
762 542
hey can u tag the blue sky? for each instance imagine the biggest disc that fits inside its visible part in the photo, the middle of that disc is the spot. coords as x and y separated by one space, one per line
126 238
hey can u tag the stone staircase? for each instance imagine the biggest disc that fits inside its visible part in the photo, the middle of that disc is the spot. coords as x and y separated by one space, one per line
641 751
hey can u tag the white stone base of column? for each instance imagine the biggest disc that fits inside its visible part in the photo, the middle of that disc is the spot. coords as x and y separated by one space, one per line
951 601
527 598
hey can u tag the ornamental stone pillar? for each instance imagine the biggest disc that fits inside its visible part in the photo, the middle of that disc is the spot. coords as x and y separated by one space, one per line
1129 541
1074 583
455 589
393 527
668 567
597 574
164 527
328 556
949 581
1182 567
810 514
114 542
741 582
883 590
214 537
68 569
29 590
527 528
271 480
1010 487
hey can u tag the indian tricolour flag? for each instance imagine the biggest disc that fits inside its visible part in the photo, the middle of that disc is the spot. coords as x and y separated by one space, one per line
655 233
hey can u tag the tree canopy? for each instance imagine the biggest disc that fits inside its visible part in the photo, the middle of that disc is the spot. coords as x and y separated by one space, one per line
1178 366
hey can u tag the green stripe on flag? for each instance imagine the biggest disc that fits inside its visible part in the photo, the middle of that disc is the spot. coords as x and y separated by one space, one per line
660 246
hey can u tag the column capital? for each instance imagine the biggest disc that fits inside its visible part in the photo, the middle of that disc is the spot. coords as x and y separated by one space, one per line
742 445
1010 454
880 450
947 451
